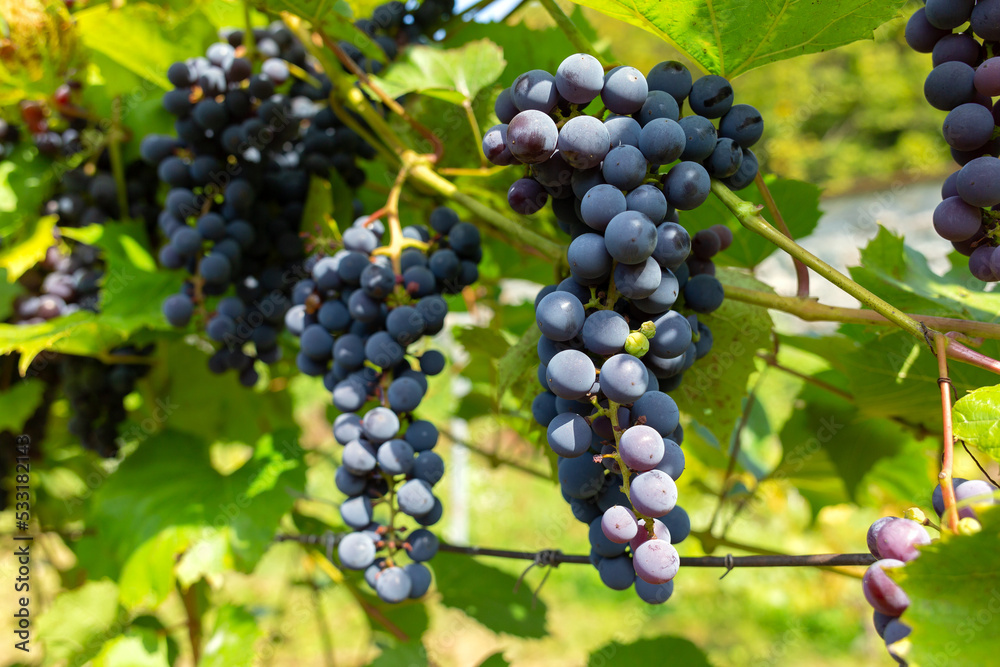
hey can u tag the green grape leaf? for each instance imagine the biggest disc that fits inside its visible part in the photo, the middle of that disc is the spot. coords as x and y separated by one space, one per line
9 291
334 18
231 639
954 591
799 205
411 654
453 75
680 651
485 594
495 660
828 435
144 39
137 647
902 276
890 377
25 177
713 389
79 621
518 364
729 37
202 523
30 249
79 333
132 292
976 419
18 403
214 407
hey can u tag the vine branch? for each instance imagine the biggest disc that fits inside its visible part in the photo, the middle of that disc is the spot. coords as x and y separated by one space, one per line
748 215
801 272
576 38
948 455
811 310
390 103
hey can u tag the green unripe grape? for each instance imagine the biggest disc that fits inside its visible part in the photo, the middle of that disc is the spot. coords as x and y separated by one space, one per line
636 344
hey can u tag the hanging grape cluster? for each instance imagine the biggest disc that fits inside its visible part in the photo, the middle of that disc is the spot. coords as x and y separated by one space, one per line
357 317
70 277
612 342
964 82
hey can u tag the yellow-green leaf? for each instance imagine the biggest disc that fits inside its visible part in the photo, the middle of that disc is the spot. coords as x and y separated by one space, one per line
976 418
23 255
730 37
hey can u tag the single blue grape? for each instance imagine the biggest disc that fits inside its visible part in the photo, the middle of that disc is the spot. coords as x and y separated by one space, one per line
584 141
630 237
625 167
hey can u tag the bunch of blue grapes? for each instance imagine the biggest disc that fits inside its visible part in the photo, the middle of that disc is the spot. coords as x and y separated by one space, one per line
96 392
356 316
964 82
633 153
614 340
249 139
393 26
69 279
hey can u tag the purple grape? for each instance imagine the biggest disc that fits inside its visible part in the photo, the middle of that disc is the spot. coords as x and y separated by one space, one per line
873 532
969 126
569 435
527 196
653 493
584 141
534 90
970 489
625 90
619 525
987 78
532 136
883 593
660 532
898 539
656 561
580 78
979 182
981 263
495 146
570 374
641 448
921 35
954 220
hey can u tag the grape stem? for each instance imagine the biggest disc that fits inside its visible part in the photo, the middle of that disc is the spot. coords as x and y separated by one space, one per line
474 126
611 412
948 455
801 272
115 137
811 310
576 38
748 215
190 599
397 242
249 41
422 173
390 103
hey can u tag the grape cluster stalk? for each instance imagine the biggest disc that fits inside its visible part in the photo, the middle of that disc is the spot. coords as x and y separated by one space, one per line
614 340
358 317
964 81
